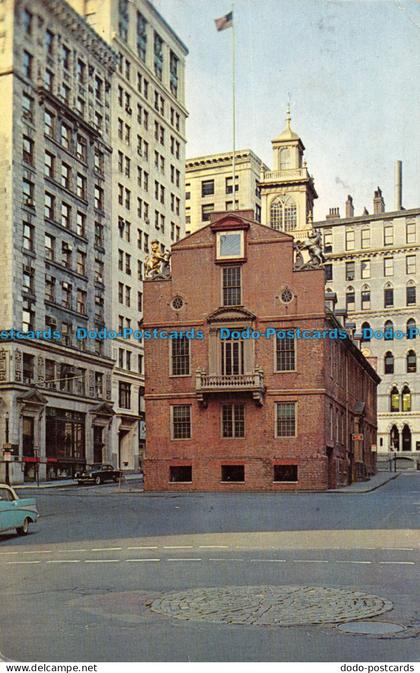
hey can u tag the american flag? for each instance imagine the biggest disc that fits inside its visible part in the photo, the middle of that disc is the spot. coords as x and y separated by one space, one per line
224 22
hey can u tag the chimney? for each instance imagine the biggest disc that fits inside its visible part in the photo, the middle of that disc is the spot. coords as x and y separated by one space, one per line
398 185
349 206
378 202
334 214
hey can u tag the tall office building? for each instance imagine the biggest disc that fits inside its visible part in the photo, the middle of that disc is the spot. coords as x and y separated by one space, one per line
372 265
55 200
148 138
209 186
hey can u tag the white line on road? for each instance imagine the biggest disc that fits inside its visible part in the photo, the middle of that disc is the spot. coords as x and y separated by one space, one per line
10 563
185 546
184 559
70 551
104 560
397 549
226 559
141 547
106 549
340 561
399 563
308 561
142 560
213 546
65 561
9 553
267 560
39 551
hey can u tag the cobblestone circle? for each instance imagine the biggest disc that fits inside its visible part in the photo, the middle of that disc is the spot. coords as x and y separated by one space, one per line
270 605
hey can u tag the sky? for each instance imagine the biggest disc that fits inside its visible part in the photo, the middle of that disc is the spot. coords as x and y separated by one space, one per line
350 67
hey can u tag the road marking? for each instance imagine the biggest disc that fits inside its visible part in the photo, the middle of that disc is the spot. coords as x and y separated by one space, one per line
339 561
142 560
184 559
106 549
9 563
399 563
65 561
226 559
70 551
40 551
213 546
9 553
186 546
267 560
308 561
140 547
397 549
104 560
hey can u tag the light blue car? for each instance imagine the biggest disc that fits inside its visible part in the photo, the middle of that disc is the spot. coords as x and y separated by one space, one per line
16 512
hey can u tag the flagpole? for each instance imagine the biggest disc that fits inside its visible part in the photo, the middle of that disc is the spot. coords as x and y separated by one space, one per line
233 108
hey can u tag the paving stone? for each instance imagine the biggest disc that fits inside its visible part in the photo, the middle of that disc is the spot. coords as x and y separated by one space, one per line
270 605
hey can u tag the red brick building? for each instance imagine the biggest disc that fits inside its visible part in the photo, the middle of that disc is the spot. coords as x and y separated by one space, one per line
263 413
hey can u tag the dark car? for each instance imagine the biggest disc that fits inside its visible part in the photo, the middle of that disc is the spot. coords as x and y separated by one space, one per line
98 474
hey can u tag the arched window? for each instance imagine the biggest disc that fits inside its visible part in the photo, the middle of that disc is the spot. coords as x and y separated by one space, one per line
284 158
365 334
389 331
394 439
411 328
388 295
395 399
411 361
388 363
406 438
406 399
283 214
350 299
410 292
365 298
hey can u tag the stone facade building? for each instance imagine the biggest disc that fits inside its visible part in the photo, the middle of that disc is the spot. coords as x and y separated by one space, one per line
147 119
261 413
209 186
55 173
372 266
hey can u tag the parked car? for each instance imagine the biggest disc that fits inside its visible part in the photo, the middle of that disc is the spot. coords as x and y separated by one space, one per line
16 512
98 474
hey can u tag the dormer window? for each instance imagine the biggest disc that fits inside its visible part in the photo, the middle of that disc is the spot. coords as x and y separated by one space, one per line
230 244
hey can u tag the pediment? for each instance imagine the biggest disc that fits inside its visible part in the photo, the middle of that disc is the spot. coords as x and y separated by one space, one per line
33 396
230 314
103 409
229 221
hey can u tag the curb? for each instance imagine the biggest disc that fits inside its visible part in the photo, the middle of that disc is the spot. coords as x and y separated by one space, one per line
72 484
345 490
364 490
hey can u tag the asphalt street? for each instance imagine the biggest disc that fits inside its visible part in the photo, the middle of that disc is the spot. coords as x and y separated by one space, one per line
98 578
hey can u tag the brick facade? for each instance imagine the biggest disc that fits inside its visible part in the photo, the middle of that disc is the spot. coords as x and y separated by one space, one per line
238 389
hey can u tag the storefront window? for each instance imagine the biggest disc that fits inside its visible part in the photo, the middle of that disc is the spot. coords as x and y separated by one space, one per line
65 435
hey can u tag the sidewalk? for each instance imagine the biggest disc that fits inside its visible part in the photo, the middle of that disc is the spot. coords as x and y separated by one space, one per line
63 483
374 482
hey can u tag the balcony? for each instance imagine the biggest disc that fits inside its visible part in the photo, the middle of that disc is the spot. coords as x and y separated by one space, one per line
290 173
210 384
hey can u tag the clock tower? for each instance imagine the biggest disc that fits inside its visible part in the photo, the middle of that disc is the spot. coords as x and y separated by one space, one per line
288 191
